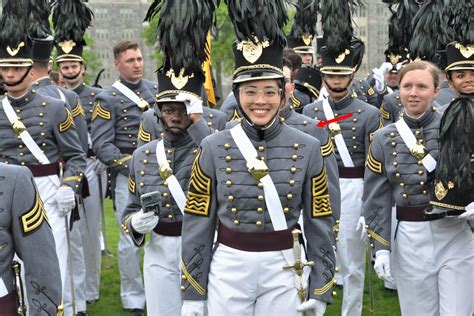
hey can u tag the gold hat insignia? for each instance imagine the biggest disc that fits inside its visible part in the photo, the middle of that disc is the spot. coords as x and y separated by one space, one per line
342 56
466 51
67 46
394 58
307 39
15 51
252 51
178 81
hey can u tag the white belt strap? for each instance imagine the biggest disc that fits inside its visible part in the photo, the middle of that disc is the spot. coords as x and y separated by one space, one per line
62 96
27 139
339 140
173 184
272 200
410 140
130 94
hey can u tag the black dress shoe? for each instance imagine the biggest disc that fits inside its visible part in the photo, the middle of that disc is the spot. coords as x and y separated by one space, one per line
81 314
135 311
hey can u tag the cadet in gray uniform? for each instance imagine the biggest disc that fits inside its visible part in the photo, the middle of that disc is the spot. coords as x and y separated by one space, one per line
26 232
352 137
432 255
182 134
151 129
254 179
86 235
36 132
115 124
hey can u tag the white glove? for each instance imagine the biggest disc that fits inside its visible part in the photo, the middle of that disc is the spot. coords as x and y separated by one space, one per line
66 200
379 75
144 223
192 103
318 307
193 308
385 67
382 265
361 229
99 167
469 213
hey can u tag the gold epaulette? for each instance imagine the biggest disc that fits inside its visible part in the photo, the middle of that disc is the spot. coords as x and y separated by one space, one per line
374 165
78 110
385 113
67 123
327 149
34 217
188 277
328 286
131 184
99 111
143 135
320 196
199 194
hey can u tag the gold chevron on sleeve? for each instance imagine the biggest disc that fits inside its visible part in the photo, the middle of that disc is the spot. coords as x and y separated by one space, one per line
188 277
296 103
370 91
33 219
320 195
235 116
374 165
143 135
385 113
377 237
199 194
78 110
327 149
325 288
99 111
371 134
131 184
67 123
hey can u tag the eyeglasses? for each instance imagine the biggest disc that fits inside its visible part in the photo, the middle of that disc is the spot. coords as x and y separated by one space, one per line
268 93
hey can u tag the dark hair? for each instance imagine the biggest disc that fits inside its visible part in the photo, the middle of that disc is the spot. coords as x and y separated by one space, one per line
293 57
54 75
421 65
123 46
287 63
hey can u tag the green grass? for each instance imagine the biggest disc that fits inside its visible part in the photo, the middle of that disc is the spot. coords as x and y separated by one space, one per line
386 303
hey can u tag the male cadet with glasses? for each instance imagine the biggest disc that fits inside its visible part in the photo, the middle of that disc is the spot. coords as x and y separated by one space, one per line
352 137
72 68
26 233
38 132
115 124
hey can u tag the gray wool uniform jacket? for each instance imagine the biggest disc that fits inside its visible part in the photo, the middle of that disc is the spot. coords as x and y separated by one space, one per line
115 123
47 87
357 130
87 96
222 190
25 231
151 129
145 177
392 173
52 127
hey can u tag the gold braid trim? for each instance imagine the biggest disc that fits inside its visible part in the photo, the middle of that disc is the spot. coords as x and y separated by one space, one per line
296 103
385 113
235 116
78 110
131 184
34 217
377 237
101 112
125 223
327 149
199 194
67 123
370 91
325 288
191 280
374 165
320 195
121 161
143 135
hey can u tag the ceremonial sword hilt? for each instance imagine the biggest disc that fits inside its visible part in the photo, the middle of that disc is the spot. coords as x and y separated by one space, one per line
298 266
